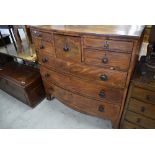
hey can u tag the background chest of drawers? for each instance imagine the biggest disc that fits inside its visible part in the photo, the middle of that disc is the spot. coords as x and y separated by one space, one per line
88 68
139 109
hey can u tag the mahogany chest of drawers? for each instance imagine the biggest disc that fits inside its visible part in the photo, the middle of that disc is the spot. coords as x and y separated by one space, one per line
88 68
139 111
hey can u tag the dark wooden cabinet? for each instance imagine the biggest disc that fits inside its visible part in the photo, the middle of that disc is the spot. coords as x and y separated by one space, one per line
88 68
22 82
139 111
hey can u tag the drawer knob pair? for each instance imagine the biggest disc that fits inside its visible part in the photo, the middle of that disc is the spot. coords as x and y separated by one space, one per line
45 59
105 60
102 94
101 108
104 77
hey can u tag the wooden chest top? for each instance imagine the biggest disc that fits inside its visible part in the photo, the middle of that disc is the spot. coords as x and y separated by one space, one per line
130 31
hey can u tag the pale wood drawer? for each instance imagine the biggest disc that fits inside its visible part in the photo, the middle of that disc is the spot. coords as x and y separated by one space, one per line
128 125
140 120
143 95
111 45
143 108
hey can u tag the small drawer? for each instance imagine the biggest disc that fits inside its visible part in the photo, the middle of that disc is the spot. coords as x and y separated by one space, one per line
83 104
68 47
119 61
128 125
142 108
83 87
42 46
111 45
42 35
140 120
143 95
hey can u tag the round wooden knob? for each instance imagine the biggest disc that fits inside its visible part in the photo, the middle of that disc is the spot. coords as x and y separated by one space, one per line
45 59
41 46
66 49
101 94
104 77
147 97
101 108
105 60
142 109
138 120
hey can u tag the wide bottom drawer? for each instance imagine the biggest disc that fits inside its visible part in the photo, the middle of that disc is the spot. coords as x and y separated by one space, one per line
83 104
128 125
140 120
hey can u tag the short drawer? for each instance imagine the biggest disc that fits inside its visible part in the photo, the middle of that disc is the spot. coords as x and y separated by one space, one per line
83 87
102 58
68 47
128 125
140 120
83 104
142 108
143 95
91 73
42 35
43 47
111 45
46 47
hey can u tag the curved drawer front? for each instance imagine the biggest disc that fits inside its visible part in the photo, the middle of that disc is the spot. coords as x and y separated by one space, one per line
92 73
85 88
83 104
113 60
111 45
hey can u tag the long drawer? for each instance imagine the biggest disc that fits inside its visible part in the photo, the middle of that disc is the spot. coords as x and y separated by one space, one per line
128 125
83 104
100 75
143 108
143 95
101 58
83 87
140 120
108 44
